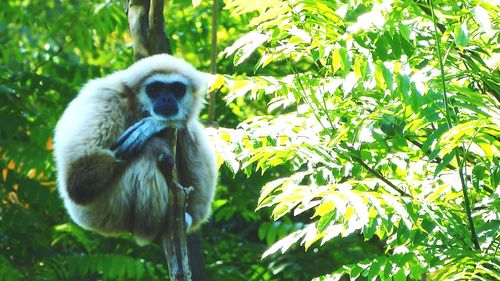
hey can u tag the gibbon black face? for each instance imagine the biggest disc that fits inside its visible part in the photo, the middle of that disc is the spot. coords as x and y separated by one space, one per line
165 97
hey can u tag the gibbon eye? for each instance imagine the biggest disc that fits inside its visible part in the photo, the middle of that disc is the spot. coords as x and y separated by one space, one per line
153 90
178 89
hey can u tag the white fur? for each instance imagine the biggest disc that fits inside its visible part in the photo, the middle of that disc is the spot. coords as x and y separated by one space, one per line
137 201
167 64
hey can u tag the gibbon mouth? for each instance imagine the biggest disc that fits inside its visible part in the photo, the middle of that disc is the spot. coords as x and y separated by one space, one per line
166 111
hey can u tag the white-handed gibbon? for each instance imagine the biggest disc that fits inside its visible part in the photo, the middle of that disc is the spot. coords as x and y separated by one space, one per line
109 140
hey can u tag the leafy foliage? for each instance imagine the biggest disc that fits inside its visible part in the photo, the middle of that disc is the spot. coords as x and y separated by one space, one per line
49 50
333 122
370 134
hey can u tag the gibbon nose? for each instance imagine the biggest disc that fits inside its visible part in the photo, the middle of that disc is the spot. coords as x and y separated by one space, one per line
166 105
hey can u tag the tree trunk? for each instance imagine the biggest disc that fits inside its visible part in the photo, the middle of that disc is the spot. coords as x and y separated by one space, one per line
146 24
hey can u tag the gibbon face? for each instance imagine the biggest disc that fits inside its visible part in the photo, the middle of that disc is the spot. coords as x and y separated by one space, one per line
167 97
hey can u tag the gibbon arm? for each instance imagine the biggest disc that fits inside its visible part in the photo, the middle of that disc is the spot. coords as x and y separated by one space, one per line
90 175
90 166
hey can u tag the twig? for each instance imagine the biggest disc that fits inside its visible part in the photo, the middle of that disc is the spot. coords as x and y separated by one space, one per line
450 125
213 60
380 176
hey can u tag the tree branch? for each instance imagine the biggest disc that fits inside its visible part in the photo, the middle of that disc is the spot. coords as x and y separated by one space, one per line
146 25
380 176
137 12
158 40
173 239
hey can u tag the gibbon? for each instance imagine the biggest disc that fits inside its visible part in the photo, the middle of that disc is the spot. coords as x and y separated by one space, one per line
109 140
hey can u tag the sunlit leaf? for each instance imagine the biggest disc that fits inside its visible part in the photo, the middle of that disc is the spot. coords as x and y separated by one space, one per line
196 3
461 34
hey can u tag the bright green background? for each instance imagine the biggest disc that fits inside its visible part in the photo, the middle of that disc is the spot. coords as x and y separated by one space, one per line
334 118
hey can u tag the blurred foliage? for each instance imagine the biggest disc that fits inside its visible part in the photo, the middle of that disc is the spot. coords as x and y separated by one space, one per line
330 119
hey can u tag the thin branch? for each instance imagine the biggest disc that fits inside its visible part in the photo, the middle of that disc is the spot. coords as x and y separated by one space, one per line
436 159
450 125
213 60
379 176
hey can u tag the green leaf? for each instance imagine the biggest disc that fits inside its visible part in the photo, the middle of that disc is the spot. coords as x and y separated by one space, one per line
380 75
461 35
272 234
325 221
374 271
405 31
388 77
416 97
444 162
478 174
346 60
404 87
395 44
325 207
280 210
435 135
400 275
381 47
356 270
336 60
369 230
263 228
